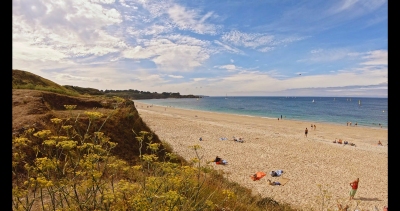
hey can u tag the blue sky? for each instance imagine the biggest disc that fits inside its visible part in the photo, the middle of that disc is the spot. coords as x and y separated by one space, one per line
207 47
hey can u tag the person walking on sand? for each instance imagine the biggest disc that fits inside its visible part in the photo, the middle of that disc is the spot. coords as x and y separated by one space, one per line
306 132
354 187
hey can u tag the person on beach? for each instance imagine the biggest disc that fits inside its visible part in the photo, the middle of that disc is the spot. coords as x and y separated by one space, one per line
306 132
380 143
240 139
315 127
354 187
276 173
273 183
219 160
281 116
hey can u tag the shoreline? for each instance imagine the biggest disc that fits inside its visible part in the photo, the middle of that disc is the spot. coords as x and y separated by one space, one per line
264 117
271 144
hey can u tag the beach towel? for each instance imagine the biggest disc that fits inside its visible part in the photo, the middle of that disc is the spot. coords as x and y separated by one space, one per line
221 162
283 180
258 175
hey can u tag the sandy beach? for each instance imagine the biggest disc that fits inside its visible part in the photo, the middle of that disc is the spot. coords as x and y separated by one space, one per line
272 144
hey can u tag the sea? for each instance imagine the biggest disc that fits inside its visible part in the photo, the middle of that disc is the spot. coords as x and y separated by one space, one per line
367 112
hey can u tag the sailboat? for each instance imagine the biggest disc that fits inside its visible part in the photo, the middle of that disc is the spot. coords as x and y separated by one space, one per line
359 102
226 97
313 100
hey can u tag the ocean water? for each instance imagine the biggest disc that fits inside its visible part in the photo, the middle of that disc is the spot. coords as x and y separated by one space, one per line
368 112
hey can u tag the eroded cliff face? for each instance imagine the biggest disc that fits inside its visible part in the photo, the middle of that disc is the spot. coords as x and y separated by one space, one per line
121 121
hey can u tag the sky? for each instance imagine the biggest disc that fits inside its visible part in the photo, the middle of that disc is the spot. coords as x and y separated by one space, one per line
207 47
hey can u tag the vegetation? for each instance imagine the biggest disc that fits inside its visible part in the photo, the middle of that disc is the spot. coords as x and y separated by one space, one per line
26 80
69 166
136 94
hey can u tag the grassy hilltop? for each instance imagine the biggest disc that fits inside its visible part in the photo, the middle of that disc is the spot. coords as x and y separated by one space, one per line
81 149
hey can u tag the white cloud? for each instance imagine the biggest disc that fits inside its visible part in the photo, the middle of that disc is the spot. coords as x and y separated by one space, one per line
247 40
26 52
354 8
190 20
266 49
175 76
170 56
65 30
378 57
227 67
257 41
71 78
329 55
228 48
199 79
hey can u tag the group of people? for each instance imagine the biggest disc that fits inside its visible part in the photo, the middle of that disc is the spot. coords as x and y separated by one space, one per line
349 124
240 139
345 142
260 174
313 126
277 173
306 130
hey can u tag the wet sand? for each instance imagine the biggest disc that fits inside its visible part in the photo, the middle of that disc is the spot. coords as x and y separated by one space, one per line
313 164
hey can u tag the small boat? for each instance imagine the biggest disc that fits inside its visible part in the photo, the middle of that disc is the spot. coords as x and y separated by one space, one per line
359 102
313 100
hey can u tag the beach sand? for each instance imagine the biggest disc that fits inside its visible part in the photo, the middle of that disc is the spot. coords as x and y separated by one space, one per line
312 164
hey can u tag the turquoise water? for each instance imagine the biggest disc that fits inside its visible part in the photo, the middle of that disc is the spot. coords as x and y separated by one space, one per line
369 112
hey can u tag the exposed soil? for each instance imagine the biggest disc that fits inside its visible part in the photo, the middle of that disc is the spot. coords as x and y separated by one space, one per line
34 109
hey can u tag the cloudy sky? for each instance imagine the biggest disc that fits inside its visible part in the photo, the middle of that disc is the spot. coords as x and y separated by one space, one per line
207 47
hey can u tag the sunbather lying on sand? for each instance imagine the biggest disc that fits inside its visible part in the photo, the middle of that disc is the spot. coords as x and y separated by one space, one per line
240 139
276 173
273 183
219 160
